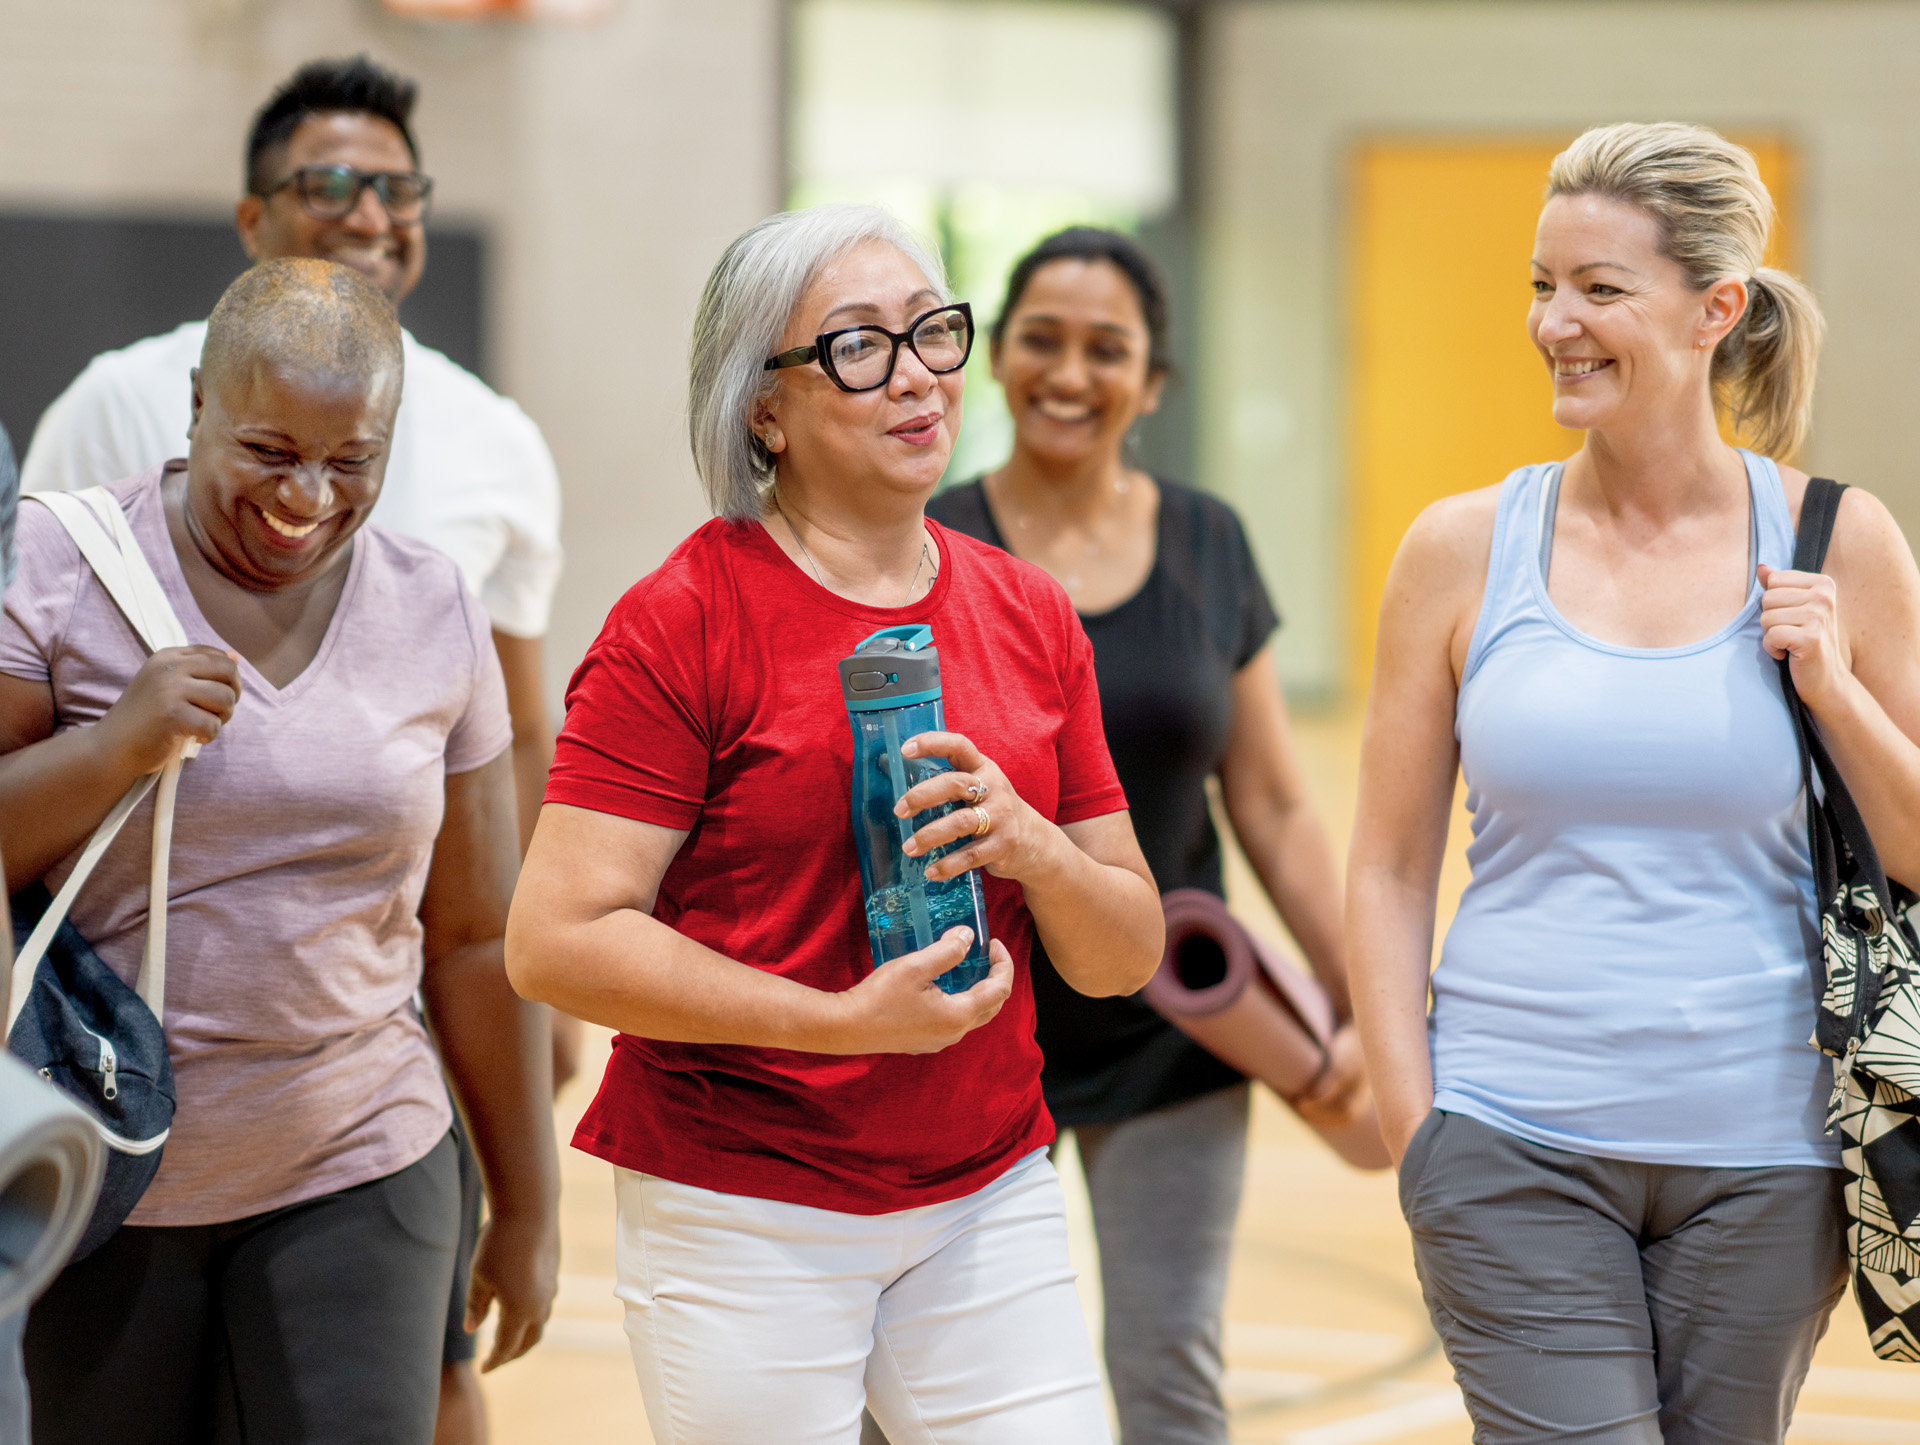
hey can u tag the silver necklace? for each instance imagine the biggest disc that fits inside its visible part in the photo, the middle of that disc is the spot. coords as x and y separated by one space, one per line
918 567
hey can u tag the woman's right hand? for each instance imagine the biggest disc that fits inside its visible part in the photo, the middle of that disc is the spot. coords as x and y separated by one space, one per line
1397 1130
179 695
899 1009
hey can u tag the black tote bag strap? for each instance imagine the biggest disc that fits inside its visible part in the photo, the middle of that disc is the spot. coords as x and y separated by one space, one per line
1818 509
1836 818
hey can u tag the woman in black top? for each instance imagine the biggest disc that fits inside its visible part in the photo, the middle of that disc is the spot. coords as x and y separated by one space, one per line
1173 602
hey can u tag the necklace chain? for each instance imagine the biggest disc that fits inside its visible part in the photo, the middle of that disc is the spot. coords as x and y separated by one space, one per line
916 575
793 532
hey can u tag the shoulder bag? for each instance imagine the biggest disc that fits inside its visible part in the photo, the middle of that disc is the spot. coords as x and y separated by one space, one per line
1867 982
69 1016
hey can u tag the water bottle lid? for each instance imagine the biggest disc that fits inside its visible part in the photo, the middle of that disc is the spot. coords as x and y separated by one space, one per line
895 667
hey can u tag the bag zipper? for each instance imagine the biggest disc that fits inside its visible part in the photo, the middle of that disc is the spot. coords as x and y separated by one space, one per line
1842 1076
109 1066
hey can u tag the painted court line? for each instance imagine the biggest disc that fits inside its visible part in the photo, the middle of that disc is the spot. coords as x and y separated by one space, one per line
1242 1386
1311 1343
1885 1383
1428 1412
1445 1407
1854 1429
594 1337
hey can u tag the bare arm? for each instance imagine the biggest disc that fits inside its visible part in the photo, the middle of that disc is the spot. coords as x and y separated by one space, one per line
1278 828
1407 766
1286 844
497 1055
1098 911
582 937
521 663
1853 633
54 790
1089 889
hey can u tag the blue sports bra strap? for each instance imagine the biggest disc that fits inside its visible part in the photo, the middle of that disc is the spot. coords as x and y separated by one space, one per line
1510 559
1549 508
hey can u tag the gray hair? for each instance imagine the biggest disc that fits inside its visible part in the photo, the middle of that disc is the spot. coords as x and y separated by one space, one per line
743 312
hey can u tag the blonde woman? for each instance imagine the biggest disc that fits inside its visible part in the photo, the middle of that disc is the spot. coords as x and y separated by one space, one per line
1624 1209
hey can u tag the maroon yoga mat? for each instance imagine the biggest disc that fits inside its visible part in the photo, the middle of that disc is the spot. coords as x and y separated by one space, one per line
1249 1007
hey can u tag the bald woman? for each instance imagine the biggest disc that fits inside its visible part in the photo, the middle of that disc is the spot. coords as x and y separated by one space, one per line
344 839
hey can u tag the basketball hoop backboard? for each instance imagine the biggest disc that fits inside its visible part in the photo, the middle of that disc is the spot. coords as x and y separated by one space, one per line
571 12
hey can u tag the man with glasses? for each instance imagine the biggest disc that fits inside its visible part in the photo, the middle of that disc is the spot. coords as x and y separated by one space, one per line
333 173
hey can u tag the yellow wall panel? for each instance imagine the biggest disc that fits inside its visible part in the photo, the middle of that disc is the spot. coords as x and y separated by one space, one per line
1446 391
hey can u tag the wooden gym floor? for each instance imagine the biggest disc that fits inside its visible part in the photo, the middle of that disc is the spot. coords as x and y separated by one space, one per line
1327 1341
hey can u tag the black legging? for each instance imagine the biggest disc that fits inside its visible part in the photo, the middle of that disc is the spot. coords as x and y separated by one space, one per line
317 1324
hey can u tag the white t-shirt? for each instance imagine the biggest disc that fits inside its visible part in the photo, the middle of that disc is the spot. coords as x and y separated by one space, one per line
469 472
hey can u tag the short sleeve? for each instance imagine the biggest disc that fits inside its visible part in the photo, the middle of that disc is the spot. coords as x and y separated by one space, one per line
1258 619
1089 787
518 593
40 598
637 741
102 428
485 728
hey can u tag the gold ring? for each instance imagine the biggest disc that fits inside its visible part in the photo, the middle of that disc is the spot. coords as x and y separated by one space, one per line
985 825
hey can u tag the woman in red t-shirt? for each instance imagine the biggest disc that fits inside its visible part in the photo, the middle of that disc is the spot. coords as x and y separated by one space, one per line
832 1179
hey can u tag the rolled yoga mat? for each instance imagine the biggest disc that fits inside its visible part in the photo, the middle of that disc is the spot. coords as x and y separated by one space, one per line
1249 1007
51 1159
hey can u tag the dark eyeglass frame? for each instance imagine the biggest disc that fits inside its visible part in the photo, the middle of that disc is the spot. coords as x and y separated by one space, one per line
822 348
380 181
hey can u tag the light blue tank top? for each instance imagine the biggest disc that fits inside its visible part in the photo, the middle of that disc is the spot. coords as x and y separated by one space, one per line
1627 975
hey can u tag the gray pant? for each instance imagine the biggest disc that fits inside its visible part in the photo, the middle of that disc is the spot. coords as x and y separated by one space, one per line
13 1382
1165 1189
1598 1300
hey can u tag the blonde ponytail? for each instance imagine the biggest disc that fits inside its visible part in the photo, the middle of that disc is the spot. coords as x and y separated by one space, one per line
1714 214
1764 369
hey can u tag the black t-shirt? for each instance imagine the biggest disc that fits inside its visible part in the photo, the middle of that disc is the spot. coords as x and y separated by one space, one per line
1165 659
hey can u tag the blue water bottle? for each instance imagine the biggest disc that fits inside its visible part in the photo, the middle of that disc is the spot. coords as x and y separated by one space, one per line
892 689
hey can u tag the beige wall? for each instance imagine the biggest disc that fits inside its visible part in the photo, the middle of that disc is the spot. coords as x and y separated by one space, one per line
610 165
1291 84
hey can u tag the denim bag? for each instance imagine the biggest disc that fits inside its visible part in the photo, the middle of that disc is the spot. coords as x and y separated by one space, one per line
69 1016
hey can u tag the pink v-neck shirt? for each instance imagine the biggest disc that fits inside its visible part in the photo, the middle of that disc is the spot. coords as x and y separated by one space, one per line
301 842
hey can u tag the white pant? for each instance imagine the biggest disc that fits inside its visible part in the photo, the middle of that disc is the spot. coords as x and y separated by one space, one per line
755 1322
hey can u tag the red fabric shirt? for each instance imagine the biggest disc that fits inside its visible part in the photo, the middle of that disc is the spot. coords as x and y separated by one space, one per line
711 702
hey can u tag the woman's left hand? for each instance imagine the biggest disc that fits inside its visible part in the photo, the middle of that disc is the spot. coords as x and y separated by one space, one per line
516 1264
1340 1093
1017 839
1800 619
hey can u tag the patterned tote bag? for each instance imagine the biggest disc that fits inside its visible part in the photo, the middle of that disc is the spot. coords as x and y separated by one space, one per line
1867 979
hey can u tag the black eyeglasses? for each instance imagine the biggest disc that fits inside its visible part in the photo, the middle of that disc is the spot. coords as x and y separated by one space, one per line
331 192
862 358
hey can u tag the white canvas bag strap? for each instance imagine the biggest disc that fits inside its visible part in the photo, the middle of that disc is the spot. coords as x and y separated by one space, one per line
99 529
